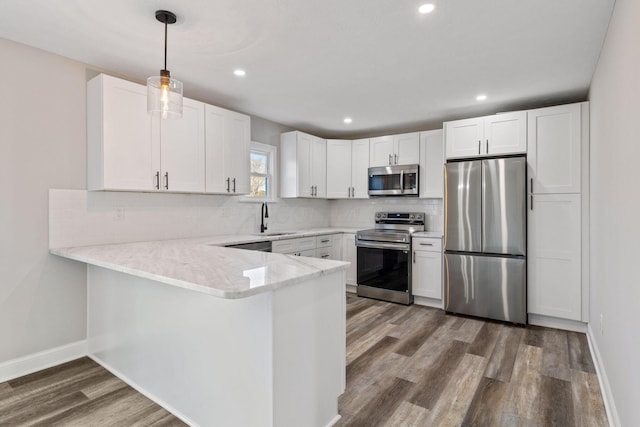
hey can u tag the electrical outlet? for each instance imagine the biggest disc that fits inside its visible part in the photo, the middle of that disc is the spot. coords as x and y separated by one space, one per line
119 214
601 324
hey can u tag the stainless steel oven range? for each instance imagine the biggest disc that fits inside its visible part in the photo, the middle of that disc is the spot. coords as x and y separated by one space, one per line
384 256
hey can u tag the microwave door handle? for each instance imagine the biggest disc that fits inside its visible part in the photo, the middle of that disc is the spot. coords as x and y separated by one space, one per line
402 181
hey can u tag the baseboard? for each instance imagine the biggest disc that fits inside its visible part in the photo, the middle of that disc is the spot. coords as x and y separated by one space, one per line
31 363
334 420
352 288
142 391
607 396
554 322
428 302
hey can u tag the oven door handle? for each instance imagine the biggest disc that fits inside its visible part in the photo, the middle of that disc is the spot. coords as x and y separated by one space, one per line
382 245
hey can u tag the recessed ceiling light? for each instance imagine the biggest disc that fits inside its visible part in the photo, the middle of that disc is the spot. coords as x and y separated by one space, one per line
348 120
426 8
239 73
481 97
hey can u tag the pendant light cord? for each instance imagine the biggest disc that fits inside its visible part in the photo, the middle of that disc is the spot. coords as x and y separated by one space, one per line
165 44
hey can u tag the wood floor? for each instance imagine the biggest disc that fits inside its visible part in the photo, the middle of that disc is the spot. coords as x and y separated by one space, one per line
416 366
406 366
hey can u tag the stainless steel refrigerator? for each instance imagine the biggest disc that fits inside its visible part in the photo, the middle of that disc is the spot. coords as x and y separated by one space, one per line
485 238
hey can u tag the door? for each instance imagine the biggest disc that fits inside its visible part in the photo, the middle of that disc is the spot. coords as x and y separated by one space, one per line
554 149
381 151
383 268
124 133
339 163
360 168
182 144
236 151
555 280
427 274
303 147
319 167
406 149
504 207
505 133
431 164
215 181
490 287
462 203
463 138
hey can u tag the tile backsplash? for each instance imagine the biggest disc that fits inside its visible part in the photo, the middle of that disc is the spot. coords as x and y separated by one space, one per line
360 213
80 217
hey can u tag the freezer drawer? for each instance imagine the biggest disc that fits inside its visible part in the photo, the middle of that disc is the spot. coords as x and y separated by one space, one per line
489 287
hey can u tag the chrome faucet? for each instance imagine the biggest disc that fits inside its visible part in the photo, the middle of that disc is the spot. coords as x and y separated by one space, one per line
265 214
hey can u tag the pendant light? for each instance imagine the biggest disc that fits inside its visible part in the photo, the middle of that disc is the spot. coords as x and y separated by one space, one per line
164 94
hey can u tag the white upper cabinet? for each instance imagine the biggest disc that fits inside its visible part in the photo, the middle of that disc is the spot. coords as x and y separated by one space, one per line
303 165
487 136
360 169
347 165
406 148
338 169
119 149
128 150
182 149
402 149
227 135
554 154
432 164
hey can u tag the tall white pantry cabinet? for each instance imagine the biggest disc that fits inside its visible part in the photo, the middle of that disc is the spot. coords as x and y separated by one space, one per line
557 256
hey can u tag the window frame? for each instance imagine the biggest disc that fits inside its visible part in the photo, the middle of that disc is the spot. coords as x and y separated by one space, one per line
271 175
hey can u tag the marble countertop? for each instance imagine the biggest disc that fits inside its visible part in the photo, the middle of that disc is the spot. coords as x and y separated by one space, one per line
202 265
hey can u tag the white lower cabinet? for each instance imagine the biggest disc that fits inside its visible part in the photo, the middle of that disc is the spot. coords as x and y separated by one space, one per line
350 254
426 276
554 256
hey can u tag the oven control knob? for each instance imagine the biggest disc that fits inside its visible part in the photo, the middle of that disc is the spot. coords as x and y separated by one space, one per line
412 217
378 215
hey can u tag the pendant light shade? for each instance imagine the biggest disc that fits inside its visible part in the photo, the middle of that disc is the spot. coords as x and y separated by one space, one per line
164 94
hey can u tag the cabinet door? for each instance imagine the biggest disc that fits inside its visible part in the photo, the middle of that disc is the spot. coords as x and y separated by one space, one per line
554 256
236 150
216 180
350 254
119 149
339 168
303 164
182 149
505 133
360 168
432 164
463 138
381 151
554 149
406 148
427 274
336 247
319 166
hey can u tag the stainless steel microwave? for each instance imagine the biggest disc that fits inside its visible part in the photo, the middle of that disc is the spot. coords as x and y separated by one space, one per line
398 180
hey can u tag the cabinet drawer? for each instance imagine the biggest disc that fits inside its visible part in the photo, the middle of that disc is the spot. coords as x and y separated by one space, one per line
305 244
309 252
324 241
427 244
324 253
288 246
283 246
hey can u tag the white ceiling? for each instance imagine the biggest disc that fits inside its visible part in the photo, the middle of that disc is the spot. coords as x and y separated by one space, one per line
310 63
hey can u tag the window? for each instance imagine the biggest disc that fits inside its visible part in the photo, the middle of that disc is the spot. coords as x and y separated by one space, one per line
262 177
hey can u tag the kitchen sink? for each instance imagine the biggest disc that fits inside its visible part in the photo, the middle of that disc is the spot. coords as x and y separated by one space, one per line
276 233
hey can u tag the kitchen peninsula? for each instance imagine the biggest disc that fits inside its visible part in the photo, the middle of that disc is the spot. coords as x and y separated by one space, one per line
219 336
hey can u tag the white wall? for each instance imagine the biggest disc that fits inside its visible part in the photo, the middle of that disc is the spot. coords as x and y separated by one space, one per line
42 145
615 209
